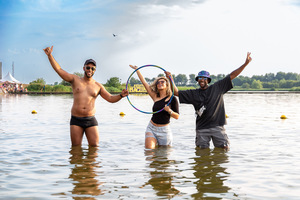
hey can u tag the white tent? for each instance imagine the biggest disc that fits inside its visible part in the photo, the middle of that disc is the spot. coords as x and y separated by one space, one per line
10 79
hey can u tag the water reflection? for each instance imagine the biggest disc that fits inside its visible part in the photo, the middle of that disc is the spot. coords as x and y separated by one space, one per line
210 173
83 173
0 103
1 130
163 171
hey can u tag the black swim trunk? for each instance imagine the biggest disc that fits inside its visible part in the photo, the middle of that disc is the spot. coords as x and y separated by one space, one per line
84 122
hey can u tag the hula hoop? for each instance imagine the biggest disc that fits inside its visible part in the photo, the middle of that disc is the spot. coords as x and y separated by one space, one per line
128 95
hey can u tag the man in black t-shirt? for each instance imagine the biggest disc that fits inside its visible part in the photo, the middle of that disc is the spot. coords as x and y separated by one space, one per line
209 106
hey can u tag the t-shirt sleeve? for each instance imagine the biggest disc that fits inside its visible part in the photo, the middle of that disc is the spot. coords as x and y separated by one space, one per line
225 84
175 105
186 96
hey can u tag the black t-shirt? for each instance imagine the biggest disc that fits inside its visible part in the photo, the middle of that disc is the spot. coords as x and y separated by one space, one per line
211 99
163 117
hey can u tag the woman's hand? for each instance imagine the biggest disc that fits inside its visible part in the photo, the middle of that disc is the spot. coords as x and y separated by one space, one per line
133 67
167 108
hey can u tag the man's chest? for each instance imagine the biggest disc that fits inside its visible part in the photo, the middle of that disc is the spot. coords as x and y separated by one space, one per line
86 89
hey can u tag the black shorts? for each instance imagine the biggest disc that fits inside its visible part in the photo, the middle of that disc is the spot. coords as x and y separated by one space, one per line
84 122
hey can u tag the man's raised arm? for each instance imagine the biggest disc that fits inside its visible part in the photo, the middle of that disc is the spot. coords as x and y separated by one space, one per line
62 73
236 72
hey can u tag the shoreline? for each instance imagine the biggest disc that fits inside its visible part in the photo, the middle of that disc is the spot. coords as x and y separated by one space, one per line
262 92
229 92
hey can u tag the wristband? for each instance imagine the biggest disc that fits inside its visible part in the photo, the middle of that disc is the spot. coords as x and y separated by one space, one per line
171 112
121 96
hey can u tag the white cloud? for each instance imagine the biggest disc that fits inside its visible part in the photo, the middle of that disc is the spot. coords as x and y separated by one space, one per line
181 36
217 34
13 51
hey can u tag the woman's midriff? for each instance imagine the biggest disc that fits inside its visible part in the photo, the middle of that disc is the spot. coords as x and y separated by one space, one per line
158 125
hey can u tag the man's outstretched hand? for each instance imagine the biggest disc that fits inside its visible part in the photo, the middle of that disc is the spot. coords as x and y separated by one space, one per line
248 59
48 51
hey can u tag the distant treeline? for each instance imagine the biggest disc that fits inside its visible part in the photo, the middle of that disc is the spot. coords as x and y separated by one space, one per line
269 81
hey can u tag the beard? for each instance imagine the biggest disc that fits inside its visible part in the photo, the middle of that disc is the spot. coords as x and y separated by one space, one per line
89 76
203 85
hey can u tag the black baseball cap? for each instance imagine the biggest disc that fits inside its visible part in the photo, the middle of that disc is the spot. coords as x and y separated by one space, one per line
90 61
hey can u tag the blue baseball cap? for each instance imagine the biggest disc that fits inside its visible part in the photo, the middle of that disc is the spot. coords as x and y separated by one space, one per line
203 74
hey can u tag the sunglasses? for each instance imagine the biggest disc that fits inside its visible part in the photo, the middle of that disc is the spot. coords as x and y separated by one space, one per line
88 68
203 78
162 82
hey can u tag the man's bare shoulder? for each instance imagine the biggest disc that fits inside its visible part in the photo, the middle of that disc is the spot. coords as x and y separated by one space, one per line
75 77
102 89
99 84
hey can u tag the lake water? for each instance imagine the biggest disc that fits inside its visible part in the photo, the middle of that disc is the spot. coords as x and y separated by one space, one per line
37 161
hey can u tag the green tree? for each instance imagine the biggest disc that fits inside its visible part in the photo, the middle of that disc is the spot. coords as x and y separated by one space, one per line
181 79
256 84
269 77
35 87
216 78
287 83
113 82
134 81
192 79
258 77
292 76
270 84
246 85
65 83
220 76
280 75
240 80
39 81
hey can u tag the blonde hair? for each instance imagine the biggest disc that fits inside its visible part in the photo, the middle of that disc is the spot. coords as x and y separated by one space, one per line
154 86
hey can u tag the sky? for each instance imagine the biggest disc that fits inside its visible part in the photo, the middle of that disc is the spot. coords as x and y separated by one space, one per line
183 37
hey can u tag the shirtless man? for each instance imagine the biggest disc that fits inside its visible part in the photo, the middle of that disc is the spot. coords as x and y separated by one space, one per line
85 92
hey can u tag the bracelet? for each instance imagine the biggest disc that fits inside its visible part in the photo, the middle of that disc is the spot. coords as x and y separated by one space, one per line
121 96
171 112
